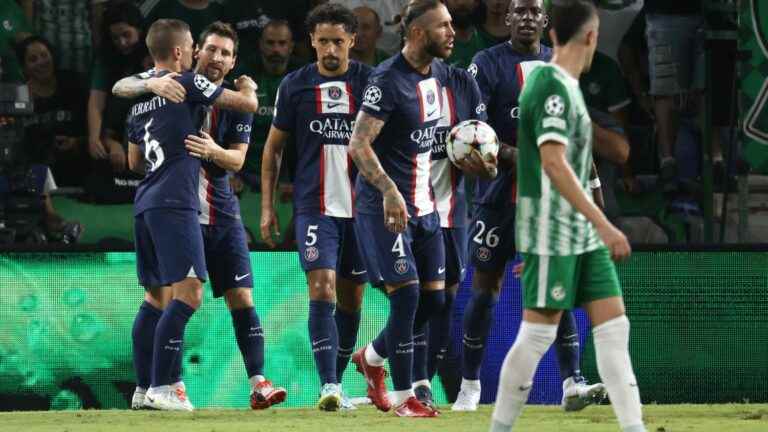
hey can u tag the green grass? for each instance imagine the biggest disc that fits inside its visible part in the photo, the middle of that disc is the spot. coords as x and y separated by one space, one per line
659 418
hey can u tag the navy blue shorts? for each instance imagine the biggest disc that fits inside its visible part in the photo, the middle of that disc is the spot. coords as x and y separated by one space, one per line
169 247
327 242
455 240
226 254
492 238
418 253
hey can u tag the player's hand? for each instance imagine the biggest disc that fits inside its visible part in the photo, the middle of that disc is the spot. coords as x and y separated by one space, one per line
269 223
395 211
615 241
166 86
245 82
117 156
477 165
203 147
96 148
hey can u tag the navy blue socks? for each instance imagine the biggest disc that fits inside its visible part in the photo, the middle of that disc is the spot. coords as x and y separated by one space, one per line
250 339
478 318
143 338
347 325
324 339
567 348
168 343
402 312
430 303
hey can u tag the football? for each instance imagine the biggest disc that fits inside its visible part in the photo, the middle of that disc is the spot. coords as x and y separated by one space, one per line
468 135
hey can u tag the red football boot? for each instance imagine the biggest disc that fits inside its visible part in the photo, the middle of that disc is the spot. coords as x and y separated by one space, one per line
374 377
265 395
413 408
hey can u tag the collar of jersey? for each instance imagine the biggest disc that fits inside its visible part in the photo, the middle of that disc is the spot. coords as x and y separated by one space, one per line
569 78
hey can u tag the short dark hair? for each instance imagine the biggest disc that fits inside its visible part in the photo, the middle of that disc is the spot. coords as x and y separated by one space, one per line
569 17
275 23
219 28
332 13
163 35
412 11
127 13
23 46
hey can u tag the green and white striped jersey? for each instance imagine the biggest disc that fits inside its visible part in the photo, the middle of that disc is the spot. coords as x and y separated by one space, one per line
552 108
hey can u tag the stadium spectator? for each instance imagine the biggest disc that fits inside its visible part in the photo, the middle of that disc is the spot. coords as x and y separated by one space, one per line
468 41
494 29
369 31
390 41
274 61
71 26
15 28
55 133
196 13
674 57
124 53
249 17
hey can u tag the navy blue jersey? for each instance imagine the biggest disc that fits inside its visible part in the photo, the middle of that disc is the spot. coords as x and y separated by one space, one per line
411 106
320 112
159 127
461 101
500 72
218 203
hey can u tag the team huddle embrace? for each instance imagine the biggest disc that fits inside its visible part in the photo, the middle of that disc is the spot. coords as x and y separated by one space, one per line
382 157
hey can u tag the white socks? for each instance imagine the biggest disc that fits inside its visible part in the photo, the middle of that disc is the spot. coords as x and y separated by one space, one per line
615 368
372 357
533 340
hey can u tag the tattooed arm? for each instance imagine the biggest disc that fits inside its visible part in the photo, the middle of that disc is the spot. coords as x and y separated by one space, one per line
367 128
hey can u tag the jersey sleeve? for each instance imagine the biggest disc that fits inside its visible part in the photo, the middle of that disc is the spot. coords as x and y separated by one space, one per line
547 106
379 96
199 88
239 131
475 98
285 110
481 70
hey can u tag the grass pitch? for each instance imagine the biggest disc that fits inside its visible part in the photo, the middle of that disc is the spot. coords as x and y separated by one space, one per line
659 418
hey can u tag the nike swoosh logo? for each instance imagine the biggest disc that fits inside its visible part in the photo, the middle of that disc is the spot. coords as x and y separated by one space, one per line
174 341
524 388
357 273
633 384
315 343
333 105
238 278
571 336
432 113
402 345
440 270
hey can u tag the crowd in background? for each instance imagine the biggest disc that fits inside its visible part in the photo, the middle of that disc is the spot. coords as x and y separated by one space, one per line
647 80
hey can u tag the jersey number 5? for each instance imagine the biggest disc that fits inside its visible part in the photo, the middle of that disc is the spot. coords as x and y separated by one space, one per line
153 153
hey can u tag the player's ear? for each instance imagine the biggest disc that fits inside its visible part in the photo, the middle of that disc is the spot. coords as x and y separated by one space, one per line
545 21
508 19
352 39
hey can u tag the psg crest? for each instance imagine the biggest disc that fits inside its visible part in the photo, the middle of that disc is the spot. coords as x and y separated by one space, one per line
334 93
430 97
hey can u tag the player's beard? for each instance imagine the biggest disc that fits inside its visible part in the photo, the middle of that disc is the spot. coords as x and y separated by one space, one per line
435 49
331 64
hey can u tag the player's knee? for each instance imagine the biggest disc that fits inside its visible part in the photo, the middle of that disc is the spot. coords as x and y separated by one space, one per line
488 282
323 289
238 298
190 291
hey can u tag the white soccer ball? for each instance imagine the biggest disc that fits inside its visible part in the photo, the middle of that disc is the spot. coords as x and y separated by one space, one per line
469 135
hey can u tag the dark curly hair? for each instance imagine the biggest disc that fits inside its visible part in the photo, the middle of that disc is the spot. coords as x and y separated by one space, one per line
332 13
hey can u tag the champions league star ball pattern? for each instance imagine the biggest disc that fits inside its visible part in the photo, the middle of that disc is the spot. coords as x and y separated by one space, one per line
469 135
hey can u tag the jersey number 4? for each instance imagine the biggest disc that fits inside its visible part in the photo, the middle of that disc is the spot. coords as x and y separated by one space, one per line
153 153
